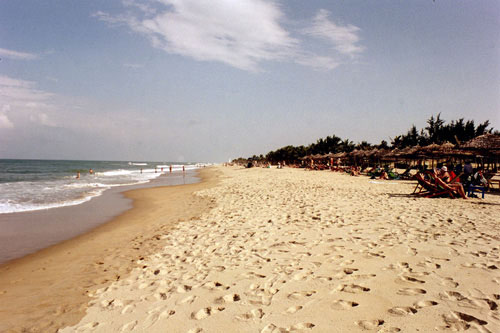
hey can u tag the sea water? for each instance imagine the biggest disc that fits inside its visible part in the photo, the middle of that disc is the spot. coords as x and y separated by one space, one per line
28 185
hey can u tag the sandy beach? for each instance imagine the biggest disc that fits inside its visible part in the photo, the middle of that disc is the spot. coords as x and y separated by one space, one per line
294 250
49 289
270 250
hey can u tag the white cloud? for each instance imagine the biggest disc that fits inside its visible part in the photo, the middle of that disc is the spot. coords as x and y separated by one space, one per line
344 39
239 33
4 120
317 62
21 99
242 34
16 55
43 119
20 92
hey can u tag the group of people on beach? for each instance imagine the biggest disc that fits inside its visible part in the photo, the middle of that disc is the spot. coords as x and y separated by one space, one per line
91 172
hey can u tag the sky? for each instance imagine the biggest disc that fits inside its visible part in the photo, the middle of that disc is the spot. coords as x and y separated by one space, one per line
208 81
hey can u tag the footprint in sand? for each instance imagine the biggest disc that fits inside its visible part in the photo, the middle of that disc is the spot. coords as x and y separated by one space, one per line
389 330
402 310
128 309
195 330
230 298
411 291
349 271
205 312
183 289
301 294
188 300
454 296
360 277
448 282
294 309
459 321
300 326
352 288
424 304
88 326
407 278
369 324
486 303
215 285
129 327
271 328
253 314
343 305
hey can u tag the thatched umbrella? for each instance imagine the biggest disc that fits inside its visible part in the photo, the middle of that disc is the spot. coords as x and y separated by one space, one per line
486 144
409 152
393 153
371 152
486 147
340 155
429 150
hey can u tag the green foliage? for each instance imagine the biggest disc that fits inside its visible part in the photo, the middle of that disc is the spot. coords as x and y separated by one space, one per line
436 131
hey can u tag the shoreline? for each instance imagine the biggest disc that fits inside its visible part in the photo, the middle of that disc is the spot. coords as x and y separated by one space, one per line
48 289
26 232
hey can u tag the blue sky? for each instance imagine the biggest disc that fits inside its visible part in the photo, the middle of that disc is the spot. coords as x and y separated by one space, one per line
212 80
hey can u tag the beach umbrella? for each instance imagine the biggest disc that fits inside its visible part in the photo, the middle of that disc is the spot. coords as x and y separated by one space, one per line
486 144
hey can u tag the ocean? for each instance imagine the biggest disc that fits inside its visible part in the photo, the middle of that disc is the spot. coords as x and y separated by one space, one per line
29 185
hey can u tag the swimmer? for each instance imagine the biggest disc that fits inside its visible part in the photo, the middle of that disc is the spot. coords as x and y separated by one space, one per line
78 175
91 171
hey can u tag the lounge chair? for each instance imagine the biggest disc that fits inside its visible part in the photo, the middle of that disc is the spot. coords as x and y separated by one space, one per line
471 189
393 175
429 189
406 175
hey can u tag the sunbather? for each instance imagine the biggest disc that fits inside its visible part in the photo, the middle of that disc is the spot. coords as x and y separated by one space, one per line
384 175
446 178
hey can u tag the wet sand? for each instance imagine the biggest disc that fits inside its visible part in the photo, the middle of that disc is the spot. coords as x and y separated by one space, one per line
27 232
49 289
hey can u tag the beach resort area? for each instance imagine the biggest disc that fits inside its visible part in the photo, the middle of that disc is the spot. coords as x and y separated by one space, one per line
269 250
249 166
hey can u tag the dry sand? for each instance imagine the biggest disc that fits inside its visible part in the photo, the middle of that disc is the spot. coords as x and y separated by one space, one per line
49 289
293 250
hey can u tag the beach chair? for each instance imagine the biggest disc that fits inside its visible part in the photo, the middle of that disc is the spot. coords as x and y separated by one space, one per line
393 175
493 178
475 188
429 189
406 175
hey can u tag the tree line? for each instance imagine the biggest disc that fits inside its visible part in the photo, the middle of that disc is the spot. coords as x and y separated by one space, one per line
436 131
